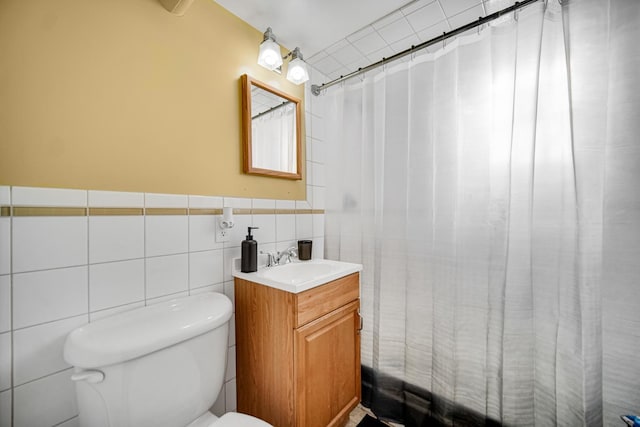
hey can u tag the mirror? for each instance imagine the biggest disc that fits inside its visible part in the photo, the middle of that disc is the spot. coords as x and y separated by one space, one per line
270 131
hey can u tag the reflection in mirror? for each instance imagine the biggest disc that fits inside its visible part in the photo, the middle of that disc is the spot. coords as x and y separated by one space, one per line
271 121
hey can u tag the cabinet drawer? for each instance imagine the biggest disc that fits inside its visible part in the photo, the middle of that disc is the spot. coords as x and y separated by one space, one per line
319 301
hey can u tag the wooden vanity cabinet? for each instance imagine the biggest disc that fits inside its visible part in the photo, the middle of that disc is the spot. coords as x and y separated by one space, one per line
298 355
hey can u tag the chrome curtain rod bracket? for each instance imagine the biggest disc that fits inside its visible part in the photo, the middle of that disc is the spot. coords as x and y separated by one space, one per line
317 89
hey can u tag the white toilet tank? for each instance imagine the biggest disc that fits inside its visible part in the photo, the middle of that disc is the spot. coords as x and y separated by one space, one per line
161 365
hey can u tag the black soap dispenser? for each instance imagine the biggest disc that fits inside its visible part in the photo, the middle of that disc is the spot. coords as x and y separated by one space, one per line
249 261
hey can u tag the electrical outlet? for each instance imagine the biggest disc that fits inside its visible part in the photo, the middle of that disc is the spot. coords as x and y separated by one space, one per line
222 234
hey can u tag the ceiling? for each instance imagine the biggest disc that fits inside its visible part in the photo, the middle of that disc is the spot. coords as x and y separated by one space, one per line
337 37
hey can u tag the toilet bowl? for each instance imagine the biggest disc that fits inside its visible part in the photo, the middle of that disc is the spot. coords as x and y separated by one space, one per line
156 366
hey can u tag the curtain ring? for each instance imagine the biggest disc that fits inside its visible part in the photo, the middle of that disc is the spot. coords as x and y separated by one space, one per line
515 12
443 40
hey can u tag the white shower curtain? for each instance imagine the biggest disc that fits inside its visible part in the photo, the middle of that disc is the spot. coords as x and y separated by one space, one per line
491 192
274 144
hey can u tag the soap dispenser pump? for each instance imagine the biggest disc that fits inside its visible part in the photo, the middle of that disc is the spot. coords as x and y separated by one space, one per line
249 260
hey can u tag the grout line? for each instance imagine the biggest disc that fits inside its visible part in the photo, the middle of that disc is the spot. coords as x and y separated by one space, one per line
65 421
22 328
44 376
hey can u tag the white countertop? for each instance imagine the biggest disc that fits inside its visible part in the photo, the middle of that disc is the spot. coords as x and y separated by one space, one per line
299 276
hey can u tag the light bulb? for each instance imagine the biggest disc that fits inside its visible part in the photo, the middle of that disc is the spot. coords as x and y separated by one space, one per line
269 56
297 72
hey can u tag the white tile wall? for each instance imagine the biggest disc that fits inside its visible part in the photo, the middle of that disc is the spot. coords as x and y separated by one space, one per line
45 402
167 275
114 238
166 235
5 408
115 283
5 303
115 199
30 196
37 351
48 295
5 361
5 246
206 268
57 273
202 233
41 243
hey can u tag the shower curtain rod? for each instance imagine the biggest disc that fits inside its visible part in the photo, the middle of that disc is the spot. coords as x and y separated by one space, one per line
317 89
271 109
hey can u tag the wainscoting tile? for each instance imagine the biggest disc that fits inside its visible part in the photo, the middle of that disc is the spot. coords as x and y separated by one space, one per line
166 235
285 204
115 283
156 200
34 196
5 195
5 408
239 231
115 238
285 228
37 351
263 204
41 243
230 395
318 248
219 288
166 275
5 245
237 202
230 372
45 402
206 268
304 226
202 233
205 202
164 298
5 361
115 199
267 231
318 225
48 295
229 255
5 303
318 198
115 310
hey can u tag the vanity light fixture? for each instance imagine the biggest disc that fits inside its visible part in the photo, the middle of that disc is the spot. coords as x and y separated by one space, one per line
297 72
269 57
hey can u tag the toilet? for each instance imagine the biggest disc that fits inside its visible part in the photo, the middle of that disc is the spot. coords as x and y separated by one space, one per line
156 366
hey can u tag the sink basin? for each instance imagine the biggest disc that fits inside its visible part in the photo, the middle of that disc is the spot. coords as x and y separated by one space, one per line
300 276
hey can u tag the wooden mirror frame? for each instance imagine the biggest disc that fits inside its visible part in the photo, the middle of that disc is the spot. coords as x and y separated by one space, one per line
247 82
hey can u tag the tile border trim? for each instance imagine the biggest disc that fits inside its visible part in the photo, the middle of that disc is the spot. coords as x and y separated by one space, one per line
57 211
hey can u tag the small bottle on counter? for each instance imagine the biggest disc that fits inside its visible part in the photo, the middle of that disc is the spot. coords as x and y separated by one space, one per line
249 255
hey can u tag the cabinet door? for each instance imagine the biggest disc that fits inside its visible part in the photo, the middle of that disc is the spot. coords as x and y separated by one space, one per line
327 370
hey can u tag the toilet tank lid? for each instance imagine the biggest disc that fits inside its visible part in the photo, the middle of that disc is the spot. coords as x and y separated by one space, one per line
141 331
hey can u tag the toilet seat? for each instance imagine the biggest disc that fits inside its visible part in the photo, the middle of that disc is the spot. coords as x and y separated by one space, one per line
234 419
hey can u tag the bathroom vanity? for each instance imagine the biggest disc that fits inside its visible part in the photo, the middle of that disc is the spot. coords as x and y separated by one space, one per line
298 345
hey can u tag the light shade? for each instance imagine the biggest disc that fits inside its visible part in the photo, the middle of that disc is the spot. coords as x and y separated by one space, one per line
269 56
297 72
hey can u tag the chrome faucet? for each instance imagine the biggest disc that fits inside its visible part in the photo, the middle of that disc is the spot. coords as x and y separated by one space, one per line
280 258
286 254
271 259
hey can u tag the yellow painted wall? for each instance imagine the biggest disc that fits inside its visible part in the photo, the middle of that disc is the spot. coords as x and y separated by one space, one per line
122 95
